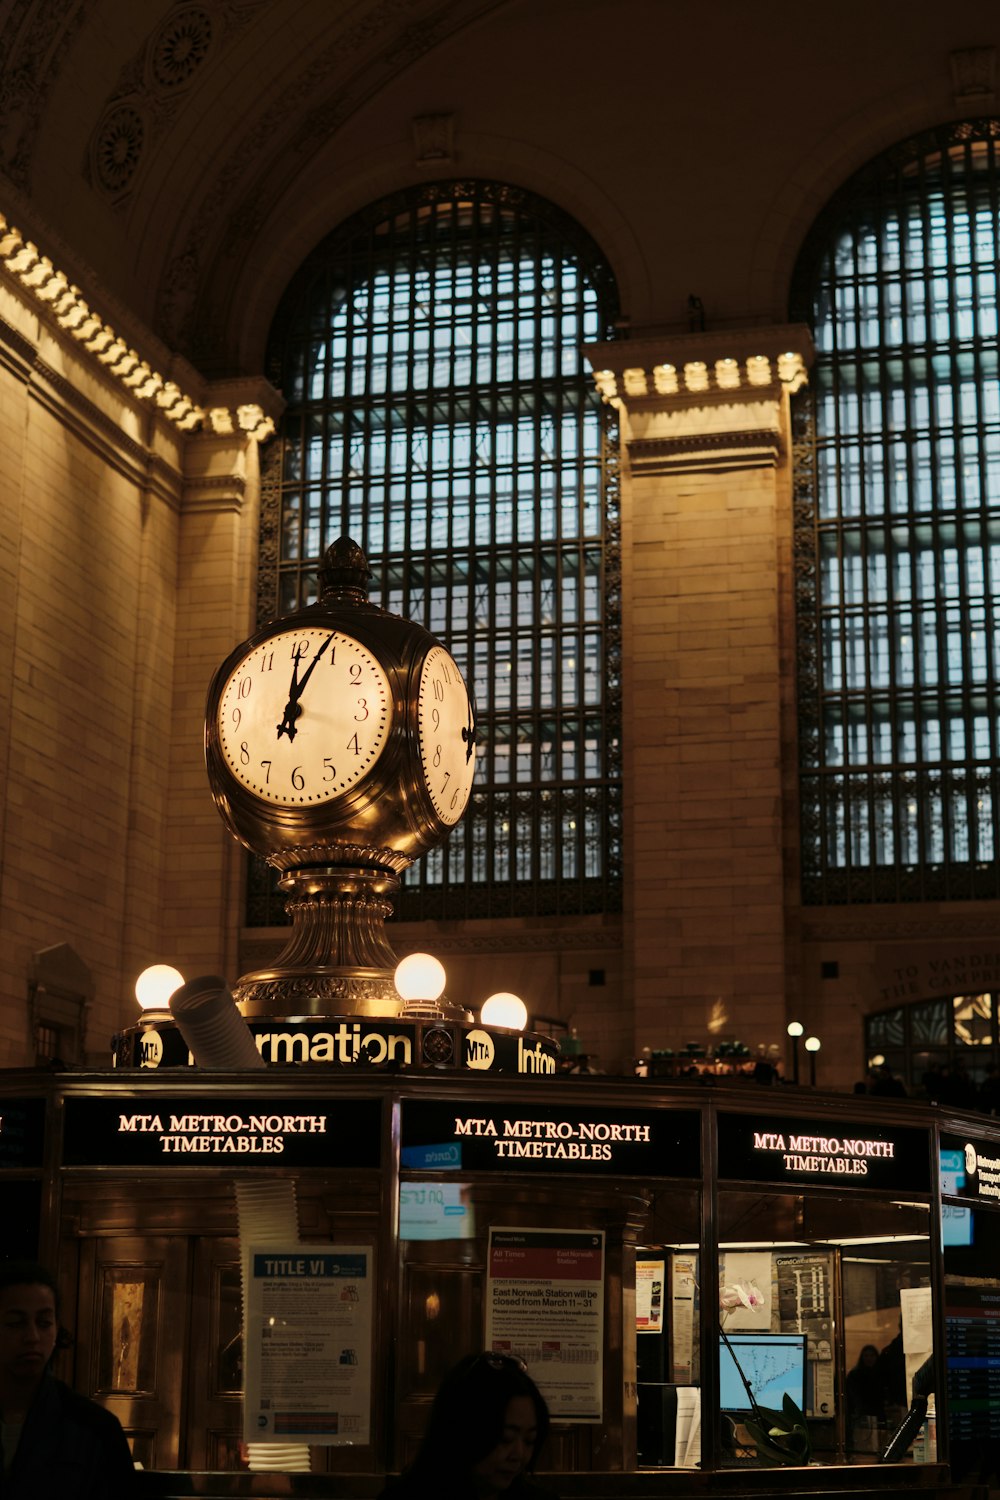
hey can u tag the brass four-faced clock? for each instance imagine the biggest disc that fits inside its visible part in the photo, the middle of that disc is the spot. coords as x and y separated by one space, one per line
340 744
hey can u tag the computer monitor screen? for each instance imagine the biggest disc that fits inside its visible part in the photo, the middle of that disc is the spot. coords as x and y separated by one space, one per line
774 1365
956 1225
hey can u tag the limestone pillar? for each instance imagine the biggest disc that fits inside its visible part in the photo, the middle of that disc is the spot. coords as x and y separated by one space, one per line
708 720
216 565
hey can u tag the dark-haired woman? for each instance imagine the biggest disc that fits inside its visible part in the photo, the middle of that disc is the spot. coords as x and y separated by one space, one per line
487 1425
56 1445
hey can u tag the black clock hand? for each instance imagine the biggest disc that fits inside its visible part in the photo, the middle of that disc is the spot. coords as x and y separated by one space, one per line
469 734
297 688
293 708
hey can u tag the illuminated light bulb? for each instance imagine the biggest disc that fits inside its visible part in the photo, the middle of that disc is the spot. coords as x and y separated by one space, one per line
812 1044
419 981
419 976
795 1028
504 1009
155 985
877 1061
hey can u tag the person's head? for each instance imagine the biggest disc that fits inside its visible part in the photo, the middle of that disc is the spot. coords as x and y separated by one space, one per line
29 1323
868 1358
487 1423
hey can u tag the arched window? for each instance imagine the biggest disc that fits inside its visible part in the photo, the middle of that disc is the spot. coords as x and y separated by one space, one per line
898 528
440 413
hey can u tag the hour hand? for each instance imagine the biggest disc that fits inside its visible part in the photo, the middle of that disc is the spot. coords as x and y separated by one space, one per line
469 735
293 709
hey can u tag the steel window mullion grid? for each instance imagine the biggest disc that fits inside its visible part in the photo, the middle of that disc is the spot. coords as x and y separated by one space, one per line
405 566
955 781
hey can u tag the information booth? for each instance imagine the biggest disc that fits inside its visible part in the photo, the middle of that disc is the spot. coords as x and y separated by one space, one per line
667 1259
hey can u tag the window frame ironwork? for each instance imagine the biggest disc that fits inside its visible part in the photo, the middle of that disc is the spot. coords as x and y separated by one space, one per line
895 798
593 802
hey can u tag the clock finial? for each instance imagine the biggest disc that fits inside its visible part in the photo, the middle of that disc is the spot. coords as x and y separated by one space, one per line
344 573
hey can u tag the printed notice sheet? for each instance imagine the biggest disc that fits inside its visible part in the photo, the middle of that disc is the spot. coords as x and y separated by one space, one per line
649 1278
683 1292
545 1305
309 1345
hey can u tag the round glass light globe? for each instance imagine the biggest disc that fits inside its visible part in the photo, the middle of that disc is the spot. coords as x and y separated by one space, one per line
795 1028
155 985
504 1009
419 976
813 1044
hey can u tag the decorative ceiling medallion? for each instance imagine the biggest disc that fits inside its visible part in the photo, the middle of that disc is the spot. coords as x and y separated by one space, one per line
180 47
118 148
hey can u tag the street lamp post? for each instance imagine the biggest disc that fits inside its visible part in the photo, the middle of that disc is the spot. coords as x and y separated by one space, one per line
795 1030
812 1045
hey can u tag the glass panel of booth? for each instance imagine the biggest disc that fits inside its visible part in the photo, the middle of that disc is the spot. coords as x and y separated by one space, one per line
527 1229
569 1249
825 1299
969 1170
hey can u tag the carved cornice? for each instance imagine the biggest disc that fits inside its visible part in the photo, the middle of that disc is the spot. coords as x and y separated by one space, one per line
250 407
698 368
698 451
703 401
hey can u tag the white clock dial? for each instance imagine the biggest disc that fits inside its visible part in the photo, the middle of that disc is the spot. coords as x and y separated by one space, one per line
304 716
446 727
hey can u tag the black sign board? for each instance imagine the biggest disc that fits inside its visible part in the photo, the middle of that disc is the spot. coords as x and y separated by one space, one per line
970 1168
22 1132
825 1153
359 1045
20 1218
476 1136
185 1131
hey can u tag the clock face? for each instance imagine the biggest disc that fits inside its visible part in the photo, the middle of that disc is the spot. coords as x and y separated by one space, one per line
446 727
304 716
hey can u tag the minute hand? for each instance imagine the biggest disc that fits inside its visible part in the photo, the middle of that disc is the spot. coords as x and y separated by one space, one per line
298 686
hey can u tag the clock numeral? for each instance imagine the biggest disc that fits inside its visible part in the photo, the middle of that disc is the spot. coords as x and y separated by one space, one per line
244 753
355 670
352 744
437 755
236 717
246 683
297 779
360 717
438 687
330 773
436 718
267 662
267 772
455 796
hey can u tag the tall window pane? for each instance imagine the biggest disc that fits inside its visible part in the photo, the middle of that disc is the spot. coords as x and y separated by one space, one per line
440 413
898 529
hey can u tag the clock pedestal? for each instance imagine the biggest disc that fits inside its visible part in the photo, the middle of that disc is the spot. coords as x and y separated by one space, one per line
338 960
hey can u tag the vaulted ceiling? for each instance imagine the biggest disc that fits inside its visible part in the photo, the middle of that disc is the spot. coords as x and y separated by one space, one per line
185 155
